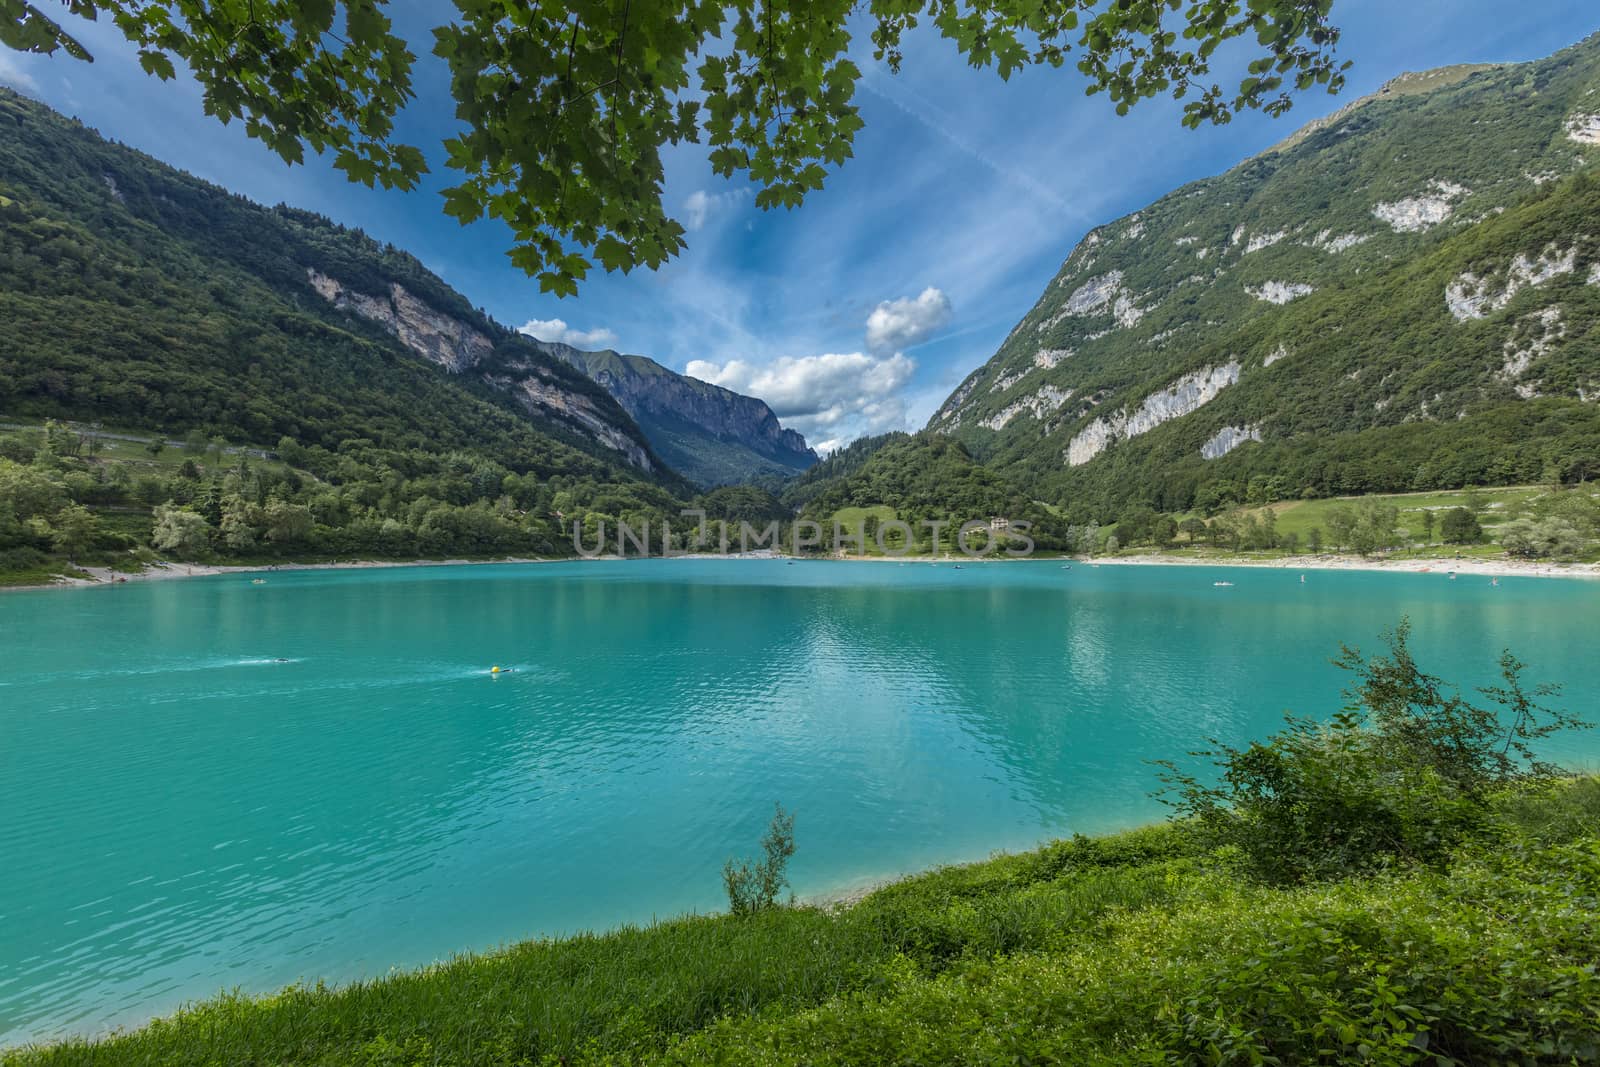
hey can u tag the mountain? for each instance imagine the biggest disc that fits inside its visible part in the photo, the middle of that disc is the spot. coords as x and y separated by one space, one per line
1405 295
711 435
929 477
839 464
139 295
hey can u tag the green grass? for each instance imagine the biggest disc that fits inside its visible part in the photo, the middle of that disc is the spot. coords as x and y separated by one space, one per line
1300 516
1130 948
1496 506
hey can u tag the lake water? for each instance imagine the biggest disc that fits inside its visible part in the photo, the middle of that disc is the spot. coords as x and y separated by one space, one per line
208 783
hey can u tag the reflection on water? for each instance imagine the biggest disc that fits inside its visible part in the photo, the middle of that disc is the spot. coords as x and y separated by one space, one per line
210 784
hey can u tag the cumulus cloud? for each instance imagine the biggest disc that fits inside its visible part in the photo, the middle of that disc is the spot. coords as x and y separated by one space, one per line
701 207
897 324
558 331
831 399
12 74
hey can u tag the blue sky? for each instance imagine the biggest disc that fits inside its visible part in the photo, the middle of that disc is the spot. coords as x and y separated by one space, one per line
860 311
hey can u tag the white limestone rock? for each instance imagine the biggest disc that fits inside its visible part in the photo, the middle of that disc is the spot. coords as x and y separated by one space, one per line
1264 240
1094 294
1229 438
1281 352
1047 400
1327 241
1534 338
1280 292
434 336
1187 394
1471 297
1417 213
1047 358
1006 381
1585 129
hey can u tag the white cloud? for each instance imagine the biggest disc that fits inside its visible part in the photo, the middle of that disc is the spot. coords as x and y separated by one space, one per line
897 324
12 74
832 398
701 207
558 331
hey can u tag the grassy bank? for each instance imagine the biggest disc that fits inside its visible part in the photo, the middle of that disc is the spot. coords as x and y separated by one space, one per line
1138 947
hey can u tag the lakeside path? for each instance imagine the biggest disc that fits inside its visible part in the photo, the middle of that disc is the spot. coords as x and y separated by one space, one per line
1487 568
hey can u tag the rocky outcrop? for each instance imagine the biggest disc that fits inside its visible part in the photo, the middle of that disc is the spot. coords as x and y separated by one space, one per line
1098 296
1048 399
1585 129
1534 337
1473 297
538 393
1264 240
1280 292
1417 213
1183 396
436 337
1229 438
1327 241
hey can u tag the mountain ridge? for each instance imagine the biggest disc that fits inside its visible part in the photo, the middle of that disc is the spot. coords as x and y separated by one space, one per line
1160 325
343 277
710 434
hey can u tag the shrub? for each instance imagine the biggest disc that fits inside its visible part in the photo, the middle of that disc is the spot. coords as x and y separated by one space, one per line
1400 776
754 887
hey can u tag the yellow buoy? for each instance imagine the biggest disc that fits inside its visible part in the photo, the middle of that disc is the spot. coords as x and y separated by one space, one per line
494 670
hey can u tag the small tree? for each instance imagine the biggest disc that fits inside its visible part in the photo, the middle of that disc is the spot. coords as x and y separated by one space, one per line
754 887
1428 521
1460 527
180 532
74 530
1341 521
1314 539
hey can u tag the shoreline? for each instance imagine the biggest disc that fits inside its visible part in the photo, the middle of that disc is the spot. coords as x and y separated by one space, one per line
1475 566
1471 567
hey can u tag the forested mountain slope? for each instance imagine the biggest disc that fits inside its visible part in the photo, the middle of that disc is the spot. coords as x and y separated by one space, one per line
710 435
1404 296
136 294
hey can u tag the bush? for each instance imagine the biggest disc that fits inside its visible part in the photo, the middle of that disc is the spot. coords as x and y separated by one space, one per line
754 887
1400 776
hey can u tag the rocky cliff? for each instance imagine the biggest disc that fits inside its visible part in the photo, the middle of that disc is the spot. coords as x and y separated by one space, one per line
711 435
521 370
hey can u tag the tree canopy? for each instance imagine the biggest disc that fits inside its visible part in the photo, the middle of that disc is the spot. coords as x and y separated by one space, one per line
568 105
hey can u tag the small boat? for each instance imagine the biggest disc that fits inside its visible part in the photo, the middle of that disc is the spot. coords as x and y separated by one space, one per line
1221 585
258 581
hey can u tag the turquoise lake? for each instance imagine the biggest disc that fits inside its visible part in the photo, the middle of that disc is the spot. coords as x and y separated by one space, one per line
211 784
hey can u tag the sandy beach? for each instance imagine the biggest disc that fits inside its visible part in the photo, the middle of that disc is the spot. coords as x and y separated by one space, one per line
1487 568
